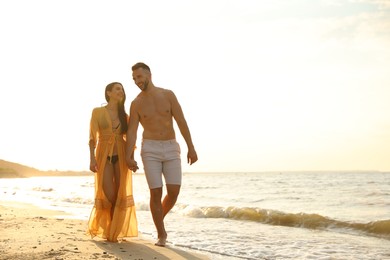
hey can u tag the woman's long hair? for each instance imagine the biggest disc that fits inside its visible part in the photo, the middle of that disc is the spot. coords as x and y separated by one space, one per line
122 115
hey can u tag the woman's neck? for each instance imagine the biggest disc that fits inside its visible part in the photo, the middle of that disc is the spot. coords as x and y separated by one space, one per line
112 106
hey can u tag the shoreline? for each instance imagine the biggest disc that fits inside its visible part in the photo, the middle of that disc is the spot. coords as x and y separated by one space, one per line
29 232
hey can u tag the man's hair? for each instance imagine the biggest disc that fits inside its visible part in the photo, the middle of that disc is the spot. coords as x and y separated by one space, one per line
140 65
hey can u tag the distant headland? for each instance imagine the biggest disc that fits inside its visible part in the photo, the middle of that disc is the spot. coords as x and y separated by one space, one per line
15 170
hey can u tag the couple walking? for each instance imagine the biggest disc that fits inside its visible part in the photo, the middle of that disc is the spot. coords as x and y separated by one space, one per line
112 141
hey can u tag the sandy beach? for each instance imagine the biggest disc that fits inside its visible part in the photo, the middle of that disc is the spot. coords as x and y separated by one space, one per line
301 218
28 232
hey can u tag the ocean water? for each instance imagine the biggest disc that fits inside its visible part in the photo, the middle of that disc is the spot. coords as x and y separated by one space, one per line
289 215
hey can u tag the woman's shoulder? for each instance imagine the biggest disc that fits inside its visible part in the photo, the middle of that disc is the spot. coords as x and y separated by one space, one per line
98 110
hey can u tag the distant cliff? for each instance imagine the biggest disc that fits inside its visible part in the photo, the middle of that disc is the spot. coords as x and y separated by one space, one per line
15 170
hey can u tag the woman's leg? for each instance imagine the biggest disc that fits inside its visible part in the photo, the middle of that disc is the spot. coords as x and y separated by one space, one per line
109 185
117 178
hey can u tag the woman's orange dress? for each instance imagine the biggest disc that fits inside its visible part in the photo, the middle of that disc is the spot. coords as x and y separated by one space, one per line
124 221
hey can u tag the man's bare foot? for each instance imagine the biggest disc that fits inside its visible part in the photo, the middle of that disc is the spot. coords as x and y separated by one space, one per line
161 242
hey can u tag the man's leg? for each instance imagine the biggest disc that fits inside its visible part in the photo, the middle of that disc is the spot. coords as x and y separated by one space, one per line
170 199
157 214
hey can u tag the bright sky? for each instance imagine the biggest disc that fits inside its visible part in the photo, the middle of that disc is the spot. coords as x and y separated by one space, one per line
264 85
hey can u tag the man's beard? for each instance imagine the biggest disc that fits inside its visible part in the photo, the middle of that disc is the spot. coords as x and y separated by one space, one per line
145 86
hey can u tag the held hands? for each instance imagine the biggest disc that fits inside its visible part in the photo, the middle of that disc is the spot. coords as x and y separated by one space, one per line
132 164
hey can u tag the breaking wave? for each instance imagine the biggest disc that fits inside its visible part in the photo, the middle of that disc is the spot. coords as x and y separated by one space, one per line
301 220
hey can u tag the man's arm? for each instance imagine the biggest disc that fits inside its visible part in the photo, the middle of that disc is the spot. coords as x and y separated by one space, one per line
178 115
131 137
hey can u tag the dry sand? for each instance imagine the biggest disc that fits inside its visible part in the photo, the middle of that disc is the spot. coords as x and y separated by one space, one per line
28 232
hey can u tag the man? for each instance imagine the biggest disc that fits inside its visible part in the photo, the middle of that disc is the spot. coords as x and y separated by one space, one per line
155 108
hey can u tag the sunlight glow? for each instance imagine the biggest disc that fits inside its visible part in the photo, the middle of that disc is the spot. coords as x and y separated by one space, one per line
264 85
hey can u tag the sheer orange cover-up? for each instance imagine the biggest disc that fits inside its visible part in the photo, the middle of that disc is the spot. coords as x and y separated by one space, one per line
124 220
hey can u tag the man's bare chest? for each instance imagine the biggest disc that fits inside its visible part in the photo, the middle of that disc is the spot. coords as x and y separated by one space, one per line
155 108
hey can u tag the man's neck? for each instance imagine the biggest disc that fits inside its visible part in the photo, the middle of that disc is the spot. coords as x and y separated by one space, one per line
150 89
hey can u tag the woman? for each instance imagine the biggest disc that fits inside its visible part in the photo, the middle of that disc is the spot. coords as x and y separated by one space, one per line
113 216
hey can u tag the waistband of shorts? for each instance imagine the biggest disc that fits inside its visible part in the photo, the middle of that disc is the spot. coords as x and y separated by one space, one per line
171 141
